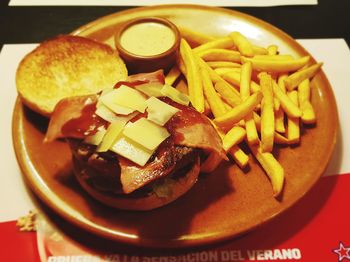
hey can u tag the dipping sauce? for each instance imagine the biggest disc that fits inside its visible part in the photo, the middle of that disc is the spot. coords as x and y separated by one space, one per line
147 38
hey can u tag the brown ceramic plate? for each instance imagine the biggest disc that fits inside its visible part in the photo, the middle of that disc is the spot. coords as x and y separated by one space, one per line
221 205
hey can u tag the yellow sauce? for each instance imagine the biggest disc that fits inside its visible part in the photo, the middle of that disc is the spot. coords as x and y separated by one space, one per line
147 39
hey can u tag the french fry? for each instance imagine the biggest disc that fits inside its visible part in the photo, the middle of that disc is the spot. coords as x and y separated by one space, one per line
227 92
218 43
195 89
215 103
296 78
217 54
234 78
245 78
293 129
172 75
272 168
267 113
277 66
239 156
242 43
223 64
224 70
290 108
258 50
245 82
194 36
280 83
239 112
308 114
272 50
276 104
279 121
273 57
234 136
278 138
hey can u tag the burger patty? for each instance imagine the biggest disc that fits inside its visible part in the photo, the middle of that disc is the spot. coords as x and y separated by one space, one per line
109 172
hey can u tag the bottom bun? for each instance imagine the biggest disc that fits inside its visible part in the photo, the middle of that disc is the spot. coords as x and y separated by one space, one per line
182 184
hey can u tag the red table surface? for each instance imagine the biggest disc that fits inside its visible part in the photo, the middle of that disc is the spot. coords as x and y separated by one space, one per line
317 226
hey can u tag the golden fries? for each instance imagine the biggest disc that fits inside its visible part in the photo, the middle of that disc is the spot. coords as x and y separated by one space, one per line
242 43
272 50
239 112
224 42
193 36
221 71
272 168
296 78
227 92
277 66
234 78
267 113
248 91
216 54
195 89
245 83
308 114
234 136
239 156
223 64
214 101
293 130
288 106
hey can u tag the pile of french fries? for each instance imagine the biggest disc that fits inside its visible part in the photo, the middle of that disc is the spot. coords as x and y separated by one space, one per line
250 93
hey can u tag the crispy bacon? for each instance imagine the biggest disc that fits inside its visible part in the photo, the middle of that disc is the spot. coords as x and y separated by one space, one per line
167 158
157 76
74 117
193 129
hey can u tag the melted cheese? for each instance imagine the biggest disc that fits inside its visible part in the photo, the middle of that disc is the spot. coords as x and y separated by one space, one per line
131 150
159 112
151 89
175 95
111 103
111 135
146 133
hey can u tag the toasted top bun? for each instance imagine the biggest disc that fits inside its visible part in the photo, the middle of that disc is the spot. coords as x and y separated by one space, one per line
66 66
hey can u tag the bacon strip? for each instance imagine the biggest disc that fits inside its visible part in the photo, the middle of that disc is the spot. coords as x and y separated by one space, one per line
69 109
157 76
193 129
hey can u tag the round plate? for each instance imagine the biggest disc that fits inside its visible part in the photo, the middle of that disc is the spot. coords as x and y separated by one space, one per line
221 205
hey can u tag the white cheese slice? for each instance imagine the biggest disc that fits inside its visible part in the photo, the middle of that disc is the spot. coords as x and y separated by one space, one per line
130 98
175 95
151 89
105 113
131 150
146 133
96 139
110 101
158 111
111 135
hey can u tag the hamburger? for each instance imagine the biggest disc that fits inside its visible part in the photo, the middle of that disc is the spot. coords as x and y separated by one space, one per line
136 146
